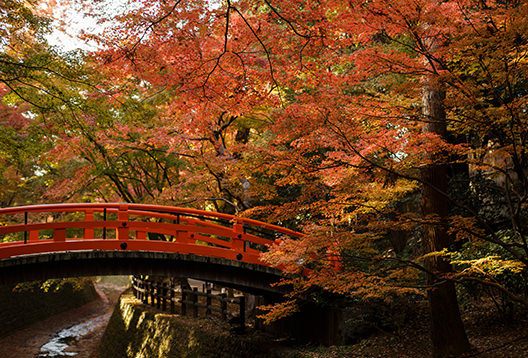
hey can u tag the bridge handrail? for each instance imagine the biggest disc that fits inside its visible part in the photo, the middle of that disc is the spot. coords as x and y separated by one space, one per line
188 231
145 207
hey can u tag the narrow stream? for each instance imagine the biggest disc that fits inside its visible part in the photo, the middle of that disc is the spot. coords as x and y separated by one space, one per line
57 345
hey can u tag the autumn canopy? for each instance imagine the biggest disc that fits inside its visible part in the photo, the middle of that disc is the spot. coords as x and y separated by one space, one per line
393 133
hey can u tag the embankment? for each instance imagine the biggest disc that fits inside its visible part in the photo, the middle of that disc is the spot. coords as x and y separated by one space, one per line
30 302
139 331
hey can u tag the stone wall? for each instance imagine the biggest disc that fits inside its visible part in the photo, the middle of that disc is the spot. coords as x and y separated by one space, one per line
139 331
30 302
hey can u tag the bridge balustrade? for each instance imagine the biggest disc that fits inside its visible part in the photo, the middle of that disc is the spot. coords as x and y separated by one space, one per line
35 229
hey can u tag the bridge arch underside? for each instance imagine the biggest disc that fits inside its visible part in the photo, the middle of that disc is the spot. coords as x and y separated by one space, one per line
251 278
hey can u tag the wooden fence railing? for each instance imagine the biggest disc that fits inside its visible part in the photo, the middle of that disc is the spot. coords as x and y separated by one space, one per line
166 296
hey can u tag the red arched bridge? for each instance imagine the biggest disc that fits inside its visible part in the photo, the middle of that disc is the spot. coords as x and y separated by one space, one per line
60 240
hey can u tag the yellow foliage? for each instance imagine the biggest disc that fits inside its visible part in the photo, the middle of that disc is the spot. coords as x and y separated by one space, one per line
491 265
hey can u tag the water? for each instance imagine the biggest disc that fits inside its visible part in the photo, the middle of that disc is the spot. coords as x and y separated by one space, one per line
62 340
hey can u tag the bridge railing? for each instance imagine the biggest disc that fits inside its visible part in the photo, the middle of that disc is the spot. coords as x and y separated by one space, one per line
121 226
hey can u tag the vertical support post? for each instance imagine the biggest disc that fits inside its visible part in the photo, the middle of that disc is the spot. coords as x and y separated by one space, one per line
223 306
152 298
183 236
237 241
33 235
164 296
242 312
137 282
104 227
25 223
208 302
158 294
195 302
144 297
171 295
183 299
59 235
122 218
88 216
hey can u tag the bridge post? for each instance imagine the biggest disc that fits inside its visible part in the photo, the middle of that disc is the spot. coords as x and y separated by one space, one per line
237 242
104 228
183 299
144 285
122 218
136 282
59 235
195 302
171 295
164 296
223 305
151 291
157 285
33 234
88 216
208 302
25 223
144 292
134 287
242 313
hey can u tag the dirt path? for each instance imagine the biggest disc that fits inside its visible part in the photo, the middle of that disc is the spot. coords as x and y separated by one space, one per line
27 342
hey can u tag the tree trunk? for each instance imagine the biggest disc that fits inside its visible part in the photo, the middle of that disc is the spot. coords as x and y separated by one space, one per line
447 331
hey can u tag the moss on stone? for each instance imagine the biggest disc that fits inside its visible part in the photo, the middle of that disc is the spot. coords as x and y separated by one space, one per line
139 331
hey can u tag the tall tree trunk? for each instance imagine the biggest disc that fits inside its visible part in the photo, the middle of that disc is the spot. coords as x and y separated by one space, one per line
447 331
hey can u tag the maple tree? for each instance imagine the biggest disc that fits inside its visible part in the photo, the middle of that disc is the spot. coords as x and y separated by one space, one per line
152 114
24 60
336 118
338 87
404 51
